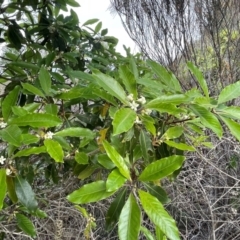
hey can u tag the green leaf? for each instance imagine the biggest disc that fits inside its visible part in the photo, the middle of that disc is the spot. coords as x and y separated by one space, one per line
129 220
91 21
174 99
103 95
51 109
36 120
207 118
145 144
25 65
98 27
76 132
230 112
45 80
165 76
110 85
87 172
29 138
105 161
181 146
157 192
164 107
11 189
72 3
233 126
161 168
91 192
25 225
12 135
9 101
149 122
173 132
123 120
19 111
128 80
199 77
115 209
54 149
3 186
158 215
81 158
117 159
25 194
229 92
115 180
147 233
30 88
30 151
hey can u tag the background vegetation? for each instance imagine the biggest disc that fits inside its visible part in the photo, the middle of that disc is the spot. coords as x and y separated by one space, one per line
95 145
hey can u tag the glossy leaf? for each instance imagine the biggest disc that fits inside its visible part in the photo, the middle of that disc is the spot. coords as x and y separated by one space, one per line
54 149
81 158
233 126
157 192
230 92
75 132
45 80
30 151
165 76
161 168
105 161
115 180
147 233
25 194
129 220
123 120
30 88
11 189
9 101
181 146
173 99
164 107
12 135
199 77
173 132
117 159
207 118
110 85
87 172
128 80
29 138
3 186
149 122
88 193
36 120
145 144
115 209
158 215
25 225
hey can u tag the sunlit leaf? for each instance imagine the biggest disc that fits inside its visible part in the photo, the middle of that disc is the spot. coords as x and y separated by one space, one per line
123 120
158 215
129 220
3 186
115 180
54 149
230 92
88 193
161 168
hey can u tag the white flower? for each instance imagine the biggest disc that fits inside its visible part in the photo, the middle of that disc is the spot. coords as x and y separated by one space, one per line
138 121
8 171
130 97
134 105
2 159
3 124
142 100
146 111
64 90
48 135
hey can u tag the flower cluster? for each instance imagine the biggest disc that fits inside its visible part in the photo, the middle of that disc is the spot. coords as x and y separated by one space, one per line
3 124
135 104
2 160
48 135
